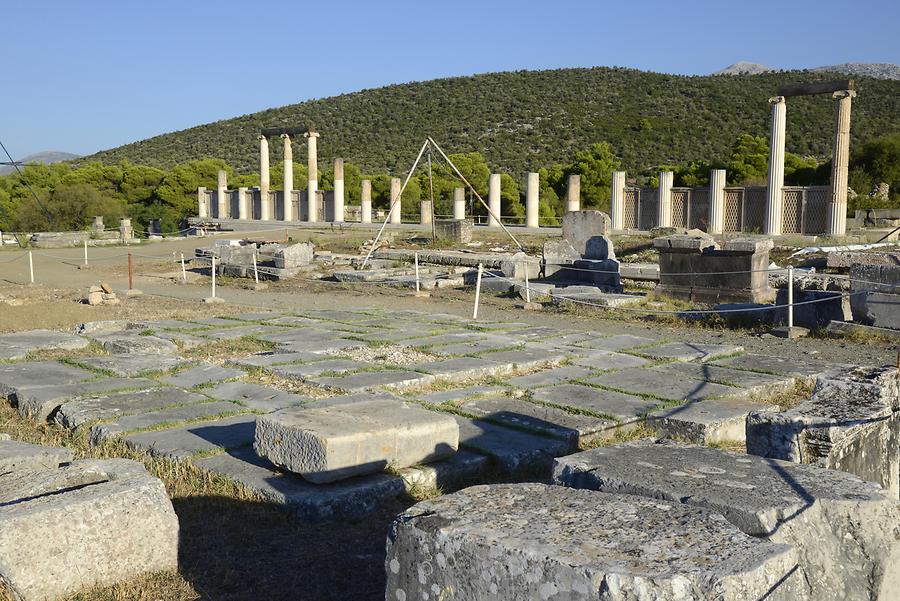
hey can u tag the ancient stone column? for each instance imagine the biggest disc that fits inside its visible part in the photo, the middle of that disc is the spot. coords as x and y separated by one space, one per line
312 164
266 210
221 187
840 158
532 200
664 207
395 200
365 201
716 201
617 201
459 203
98 226
426 212
288 178
573 193
494 199
202 203
244 204
774 200
338 190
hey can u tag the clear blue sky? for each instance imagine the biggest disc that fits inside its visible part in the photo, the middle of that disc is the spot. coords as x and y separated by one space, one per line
80 76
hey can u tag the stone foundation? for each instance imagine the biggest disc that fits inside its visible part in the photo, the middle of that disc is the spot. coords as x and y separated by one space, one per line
454 230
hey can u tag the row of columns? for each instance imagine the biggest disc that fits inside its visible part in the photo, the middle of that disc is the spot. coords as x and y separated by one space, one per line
267 211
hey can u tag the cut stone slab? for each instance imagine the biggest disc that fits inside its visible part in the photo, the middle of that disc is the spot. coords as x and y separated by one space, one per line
17 345
133 365
668 385
844 530
165 417
514 453
472 347
304 371
619 342
48 373
707 422
524 542
39 402
548 421
270 359
73 414
254 396
374 379
690 351
850 423
607 360
186 442
461 368
90 523
203 374
15 455
528 357
455 394
608 403
771 364
549 377
122 344
754 381
334 443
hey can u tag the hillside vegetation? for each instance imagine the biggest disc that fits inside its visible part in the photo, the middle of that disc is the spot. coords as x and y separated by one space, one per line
524 120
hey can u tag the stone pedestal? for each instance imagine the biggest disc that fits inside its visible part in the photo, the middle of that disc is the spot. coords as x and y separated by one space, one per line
312 183
125 230
774 200
573 193
98 226
202 203
266 210
221 198
459 203
365 201
532 201
245 207
694 268
664 208
288 213
454 230
425 212
716 201
339 190
836 224
396 202
494 200
617 201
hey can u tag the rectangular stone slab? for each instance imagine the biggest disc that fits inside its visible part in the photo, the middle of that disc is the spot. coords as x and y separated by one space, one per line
304 371
689 351
334 443
254 396
843 528
455 394
616 405
186 442
666 385
514 453
607 360
268 359
367 380
202 374
619 342
158 419
707 422
548 377
527 542
44 373
39 402
460 368
783 366
15 455
17 345
79 412
133 365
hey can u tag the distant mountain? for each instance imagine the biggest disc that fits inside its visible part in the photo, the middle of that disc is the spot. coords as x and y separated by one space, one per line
46 157
874 70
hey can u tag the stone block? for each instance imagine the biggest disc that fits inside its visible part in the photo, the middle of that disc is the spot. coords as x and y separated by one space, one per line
76 413
163 418
771 364
295 255
557 253
202 438
618 342
367 380
333 443
707 422
201 375
513 453
816 315
748 245
850 423
607 360
580 227
517 265
90 523
665 384
15 455
39 402
16 376
134 364
684 243
17 345
458 231
549 377
844 531
690 351
613 405
522 542
254 396
125 344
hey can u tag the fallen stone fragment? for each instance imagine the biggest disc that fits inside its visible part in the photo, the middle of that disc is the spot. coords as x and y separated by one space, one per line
525 542
332 443
846 531
15 455
89 523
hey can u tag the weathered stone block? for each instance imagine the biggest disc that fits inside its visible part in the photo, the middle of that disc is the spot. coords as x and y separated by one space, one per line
817 314
296 255
136 344
454 230
334 443
15 455
845 531
90 523
580 227
18 344
516 266
685 243
521 542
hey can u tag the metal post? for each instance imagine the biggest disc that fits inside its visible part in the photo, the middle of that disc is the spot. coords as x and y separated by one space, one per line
85 253
790 294
31 267
527 290
130 272
477 291
183 270
417 271
214 276
255 270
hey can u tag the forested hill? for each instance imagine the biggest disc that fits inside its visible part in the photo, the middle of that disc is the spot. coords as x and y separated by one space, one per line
528 119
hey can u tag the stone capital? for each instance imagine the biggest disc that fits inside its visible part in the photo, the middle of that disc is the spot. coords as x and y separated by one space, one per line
261 137
844 94
285 137
776 99
311 134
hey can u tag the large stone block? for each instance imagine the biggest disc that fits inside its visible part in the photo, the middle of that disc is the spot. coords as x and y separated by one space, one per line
580 227
523 542
557 253
846 532
15 455
296 255
332 443
517 265
90 523
850 423
454 230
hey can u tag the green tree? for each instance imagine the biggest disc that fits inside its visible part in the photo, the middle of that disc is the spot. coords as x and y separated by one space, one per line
595 166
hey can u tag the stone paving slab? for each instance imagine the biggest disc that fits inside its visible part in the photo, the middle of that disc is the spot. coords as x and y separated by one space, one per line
524 542
318 346
218 322
294 335
776 365
185 341
608 360
177 324
17 345
202 374
334 443
79 412
133 364
619 342
447 338
707 422
124 343
616 405
533 333
549 377
188 441
548 421
165 417
513 452
304 371
843 528
460 368
374 379
454 394
15 455
254 396
39 402
727 376
663 384
526 358
47 373
255 330
270 359
689 351
473 347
